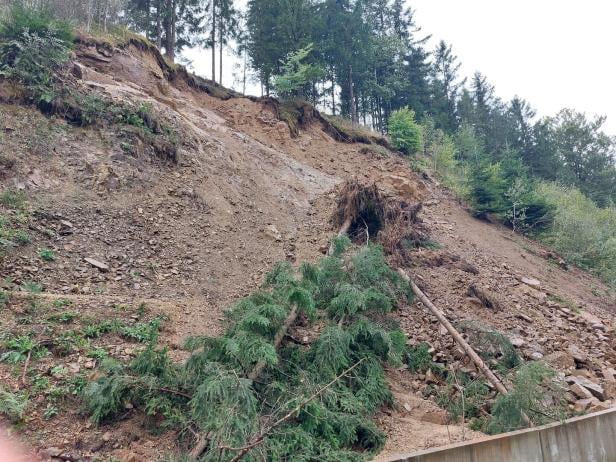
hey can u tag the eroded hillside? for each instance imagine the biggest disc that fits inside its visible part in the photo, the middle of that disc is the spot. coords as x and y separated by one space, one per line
174 231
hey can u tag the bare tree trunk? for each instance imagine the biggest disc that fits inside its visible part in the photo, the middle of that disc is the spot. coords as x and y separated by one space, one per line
159 30
220 44
213 38
352 98
244 77
333 95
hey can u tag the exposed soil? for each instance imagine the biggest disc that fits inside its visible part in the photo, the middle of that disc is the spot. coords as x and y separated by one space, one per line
189 239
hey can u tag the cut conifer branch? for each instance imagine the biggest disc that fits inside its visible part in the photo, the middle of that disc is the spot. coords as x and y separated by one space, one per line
268 431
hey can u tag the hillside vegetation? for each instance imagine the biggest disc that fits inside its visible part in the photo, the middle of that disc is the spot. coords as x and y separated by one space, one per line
164 293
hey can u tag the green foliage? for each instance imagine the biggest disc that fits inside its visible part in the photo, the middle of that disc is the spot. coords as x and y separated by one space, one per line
419 358
5 298
405 133
13 405
33 49
32 287
15 200
297 73
17 349
47 254
22 18
535 393
64 318
491 345
463 397
581 232
211 391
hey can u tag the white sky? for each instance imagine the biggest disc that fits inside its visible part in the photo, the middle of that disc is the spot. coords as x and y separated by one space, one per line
554 53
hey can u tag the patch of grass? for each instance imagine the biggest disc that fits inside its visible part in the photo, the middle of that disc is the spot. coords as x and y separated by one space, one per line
142 332
47 255
430 244
5 298
15 200
64 318
32 287
463 396
61 303
21 237
97 353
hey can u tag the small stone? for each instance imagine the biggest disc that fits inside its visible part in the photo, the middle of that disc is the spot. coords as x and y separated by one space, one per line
97 264
531 282
576 353
107 437
54 452
580 391
524 317
536 356
272 232
595 389
582 405
518 342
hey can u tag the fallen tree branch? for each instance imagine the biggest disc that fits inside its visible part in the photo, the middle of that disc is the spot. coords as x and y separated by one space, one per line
261 436
456 336
288 322
481 366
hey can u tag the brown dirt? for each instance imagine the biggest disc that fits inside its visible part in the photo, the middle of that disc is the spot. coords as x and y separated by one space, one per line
190 239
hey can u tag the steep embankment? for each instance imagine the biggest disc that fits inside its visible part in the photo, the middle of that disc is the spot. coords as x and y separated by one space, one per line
185 239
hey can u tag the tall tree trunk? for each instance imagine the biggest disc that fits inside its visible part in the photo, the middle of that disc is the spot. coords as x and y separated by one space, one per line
213 38
352 98
170 30
159 29
220 44
244 77
333 96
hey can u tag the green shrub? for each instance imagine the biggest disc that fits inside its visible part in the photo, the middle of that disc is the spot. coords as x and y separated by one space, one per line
13 405
405 133
33 48
35 20
463 397
419 358
581 232
535 394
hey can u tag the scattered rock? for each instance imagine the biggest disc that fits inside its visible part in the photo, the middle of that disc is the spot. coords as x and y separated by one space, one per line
97 264
581 405
534 283
272 232
577 355
517 342
580 391
595 389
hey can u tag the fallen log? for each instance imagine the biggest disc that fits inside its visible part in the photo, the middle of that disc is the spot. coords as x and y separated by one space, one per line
481 366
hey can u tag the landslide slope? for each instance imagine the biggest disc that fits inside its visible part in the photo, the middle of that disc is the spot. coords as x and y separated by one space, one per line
184 237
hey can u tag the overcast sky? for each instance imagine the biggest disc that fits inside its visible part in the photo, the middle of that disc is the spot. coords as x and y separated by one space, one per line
554 53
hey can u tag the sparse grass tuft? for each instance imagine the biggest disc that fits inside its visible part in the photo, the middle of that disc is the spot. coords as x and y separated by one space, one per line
47 254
